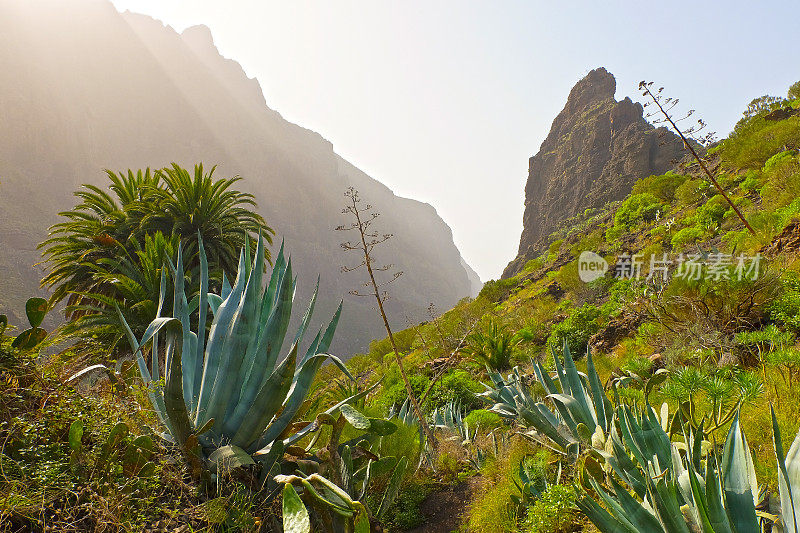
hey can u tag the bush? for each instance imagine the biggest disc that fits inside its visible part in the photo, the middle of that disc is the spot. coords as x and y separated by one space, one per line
395 394
575 330
751 181
637 207
755 143
405 514
456 386
483 420
553 512
662 187
686 236
785 309
711 214
691 191
497 290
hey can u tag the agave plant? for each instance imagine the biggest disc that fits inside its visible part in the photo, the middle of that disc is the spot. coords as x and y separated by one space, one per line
582 408
689 491
229 389
340 511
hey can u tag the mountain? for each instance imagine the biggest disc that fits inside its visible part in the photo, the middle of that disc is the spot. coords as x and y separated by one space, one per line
84 88
596 150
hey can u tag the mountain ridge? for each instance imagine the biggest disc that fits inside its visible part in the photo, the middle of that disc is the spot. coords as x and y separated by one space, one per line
123 90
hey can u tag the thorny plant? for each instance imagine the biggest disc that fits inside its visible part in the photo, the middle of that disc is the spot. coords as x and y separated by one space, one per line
665 105
368 239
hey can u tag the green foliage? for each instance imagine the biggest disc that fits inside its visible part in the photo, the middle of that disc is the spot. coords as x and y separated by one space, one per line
493 345
456 386
576 329
405 513
785 309
752 181
691 191
228 386
497 290
552 512
99 256
35 309
636 208
483 420
687 236
778 159
711 213
794 91
662 187
752 144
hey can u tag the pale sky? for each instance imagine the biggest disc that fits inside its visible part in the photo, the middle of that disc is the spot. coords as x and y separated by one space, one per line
445 101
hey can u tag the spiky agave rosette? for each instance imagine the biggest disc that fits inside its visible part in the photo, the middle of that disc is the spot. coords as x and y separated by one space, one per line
231 389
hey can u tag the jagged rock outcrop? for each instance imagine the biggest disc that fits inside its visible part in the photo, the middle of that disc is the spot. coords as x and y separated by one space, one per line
114 90
596 149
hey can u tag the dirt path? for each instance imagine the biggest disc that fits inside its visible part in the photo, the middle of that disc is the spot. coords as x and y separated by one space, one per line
445 510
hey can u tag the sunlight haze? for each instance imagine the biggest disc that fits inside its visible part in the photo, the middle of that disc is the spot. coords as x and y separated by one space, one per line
445 102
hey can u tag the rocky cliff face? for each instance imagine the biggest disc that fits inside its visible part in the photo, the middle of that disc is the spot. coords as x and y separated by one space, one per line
595 151
84 88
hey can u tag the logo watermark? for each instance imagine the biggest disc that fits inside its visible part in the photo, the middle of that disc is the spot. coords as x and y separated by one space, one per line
715 266
591 266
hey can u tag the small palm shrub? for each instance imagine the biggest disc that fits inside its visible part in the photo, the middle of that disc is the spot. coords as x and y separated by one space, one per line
493 345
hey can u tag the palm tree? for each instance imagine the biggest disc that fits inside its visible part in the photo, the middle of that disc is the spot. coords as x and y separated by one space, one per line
190 204
493 345
110 249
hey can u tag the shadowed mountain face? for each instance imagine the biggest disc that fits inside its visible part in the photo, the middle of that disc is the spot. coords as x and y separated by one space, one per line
84 88
596 150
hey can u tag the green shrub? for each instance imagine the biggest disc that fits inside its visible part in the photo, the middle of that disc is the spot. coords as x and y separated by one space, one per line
777 160
755 143
662 187
455 386
711 213
483 420
575 330
785 309
395 394
553 512
496 290
405 514
691 191
751 181
686 236
638 207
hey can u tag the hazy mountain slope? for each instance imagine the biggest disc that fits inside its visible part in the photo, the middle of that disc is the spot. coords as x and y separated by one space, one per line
84 88
596 149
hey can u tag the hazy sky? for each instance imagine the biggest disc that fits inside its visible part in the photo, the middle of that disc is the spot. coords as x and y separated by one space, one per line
446 101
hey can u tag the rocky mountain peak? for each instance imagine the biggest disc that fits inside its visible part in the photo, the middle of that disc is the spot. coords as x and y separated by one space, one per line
597 86
596 150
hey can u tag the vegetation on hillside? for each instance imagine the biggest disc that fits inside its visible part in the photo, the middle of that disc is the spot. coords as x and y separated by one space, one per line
657 397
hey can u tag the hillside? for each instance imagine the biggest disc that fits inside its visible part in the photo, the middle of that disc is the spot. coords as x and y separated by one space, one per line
120 91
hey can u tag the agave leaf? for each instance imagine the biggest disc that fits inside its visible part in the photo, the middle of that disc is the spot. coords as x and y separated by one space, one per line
636 513
588 415
252 419
544 378
788 478
346 469
228 457
715 500
616 509
598 396
225 391
311 427
175 407
393 487
217 337
202 313
601 518
738 475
